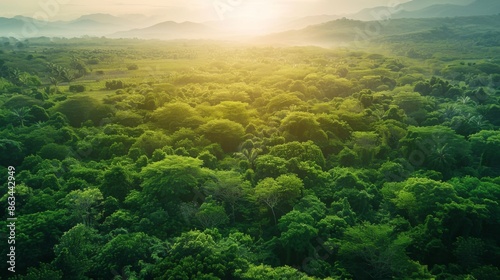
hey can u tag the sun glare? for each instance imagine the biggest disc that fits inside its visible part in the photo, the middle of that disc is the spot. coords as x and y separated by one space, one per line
253 17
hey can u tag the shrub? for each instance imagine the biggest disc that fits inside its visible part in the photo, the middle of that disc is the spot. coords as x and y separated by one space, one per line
114 84
132 67
76 88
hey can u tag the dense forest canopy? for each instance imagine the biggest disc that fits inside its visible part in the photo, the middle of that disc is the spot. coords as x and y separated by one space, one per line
204 160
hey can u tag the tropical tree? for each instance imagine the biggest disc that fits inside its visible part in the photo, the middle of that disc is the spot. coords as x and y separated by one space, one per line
175 177
283 190
302 126
297 230
176 115
268 272
267 192
486 146
205 255
211 214
84 204
228 187
75 251
58 74
420 197
20 115
117 182
132 252
225 132
376 252
305 151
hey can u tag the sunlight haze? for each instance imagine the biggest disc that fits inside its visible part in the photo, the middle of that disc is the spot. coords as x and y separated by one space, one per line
191 10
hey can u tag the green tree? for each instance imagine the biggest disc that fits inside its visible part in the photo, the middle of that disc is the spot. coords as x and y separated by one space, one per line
229 187
147 143
436 146
227 133
273 273
311 205
58 74
420 197
79 66
366 145
267 192
211 214
132 251
377 252
117 182
84 204
205 255
486 145
306 151
302 126
413 105
36 235
350 184
297 230
39 114
173 116
175 177
283 190
335 128
333 87
75 251
269 166
11 152
283 101
234 111
21 115
54 151
79 109
42 272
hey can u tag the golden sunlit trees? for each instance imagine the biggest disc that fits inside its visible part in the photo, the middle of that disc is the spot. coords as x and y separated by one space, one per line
224 132
173 116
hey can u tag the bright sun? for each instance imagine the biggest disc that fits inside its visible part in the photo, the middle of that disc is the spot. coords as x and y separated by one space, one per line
252 17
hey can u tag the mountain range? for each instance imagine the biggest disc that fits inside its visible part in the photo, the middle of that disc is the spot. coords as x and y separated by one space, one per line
456 9
346 32
313 27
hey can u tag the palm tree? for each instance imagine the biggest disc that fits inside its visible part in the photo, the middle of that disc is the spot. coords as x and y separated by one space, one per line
477 121
54 81
39 124
249 155
441 157
464 99
379 114
450 111
59 74
20 115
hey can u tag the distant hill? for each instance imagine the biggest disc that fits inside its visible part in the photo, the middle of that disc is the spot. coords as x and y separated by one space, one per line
170 30
28 27
422 4
430 9
91 25
105 19
304 22
10 24
476 8
124 22
347 31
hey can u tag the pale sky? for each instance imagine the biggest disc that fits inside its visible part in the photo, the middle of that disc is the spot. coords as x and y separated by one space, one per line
186 10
